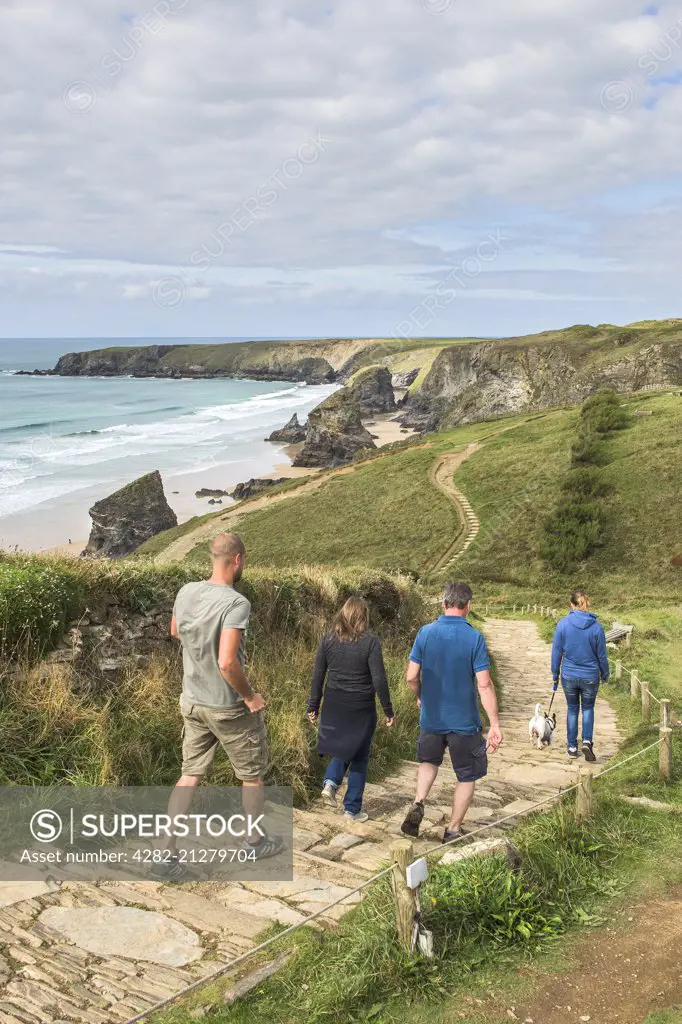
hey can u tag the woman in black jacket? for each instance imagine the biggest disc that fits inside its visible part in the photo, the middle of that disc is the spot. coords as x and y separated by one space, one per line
350 657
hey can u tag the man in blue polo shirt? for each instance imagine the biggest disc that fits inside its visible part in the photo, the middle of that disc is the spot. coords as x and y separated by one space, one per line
449 668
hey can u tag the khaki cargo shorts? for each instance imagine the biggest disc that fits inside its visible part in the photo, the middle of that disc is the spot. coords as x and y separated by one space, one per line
241 733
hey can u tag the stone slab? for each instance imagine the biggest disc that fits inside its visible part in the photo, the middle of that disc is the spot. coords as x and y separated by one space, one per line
345 840
262 907
304 838
482 848
17 892
126 932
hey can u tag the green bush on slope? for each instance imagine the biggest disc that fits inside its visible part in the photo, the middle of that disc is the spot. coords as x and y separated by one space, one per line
575 529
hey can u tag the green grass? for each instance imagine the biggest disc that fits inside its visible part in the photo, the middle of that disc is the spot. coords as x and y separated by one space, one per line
384 512
673 1016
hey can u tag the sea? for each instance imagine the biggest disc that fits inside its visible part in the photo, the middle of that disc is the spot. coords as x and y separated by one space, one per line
66 442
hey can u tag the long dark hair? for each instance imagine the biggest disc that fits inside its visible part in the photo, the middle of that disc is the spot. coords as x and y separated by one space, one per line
352 620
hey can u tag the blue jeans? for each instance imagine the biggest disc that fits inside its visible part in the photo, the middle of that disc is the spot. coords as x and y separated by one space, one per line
357 777
580 692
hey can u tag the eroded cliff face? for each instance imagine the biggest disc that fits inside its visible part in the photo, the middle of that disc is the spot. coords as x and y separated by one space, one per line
468 383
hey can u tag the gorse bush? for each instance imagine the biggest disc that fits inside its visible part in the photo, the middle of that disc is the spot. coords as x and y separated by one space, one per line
604 412
575 529
38 596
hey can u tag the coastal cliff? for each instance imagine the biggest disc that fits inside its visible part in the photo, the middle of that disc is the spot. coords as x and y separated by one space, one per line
312 362
469 383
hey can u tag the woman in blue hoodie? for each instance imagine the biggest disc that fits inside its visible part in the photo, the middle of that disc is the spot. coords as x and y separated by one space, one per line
579 659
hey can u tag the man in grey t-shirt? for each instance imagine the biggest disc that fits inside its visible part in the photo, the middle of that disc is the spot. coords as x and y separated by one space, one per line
218 705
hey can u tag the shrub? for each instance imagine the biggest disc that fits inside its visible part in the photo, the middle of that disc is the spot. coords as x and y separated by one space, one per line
572 533
604 412
585 482
587 451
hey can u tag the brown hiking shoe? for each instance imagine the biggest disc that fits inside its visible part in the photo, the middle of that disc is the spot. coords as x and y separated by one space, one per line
413 819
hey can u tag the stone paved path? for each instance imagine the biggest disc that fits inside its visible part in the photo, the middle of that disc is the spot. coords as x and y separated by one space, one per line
100 954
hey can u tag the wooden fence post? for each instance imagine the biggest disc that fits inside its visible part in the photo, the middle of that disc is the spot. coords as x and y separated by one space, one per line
402 854
628 640
583 795
514 607
618 674
535 609
665 713
666 752
634 686
646 702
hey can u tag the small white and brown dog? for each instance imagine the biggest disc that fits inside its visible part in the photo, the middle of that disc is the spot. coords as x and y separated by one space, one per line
541 727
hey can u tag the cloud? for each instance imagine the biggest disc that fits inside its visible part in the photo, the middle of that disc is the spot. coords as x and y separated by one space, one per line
180 141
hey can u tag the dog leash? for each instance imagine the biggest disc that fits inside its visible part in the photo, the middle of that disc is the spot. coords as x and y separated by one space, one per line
554 690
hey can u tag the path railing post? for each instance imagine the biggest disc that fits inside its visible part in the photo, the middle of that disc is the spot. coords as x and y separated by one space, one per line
634 686
618 673
665 713
583 795
646 702
666 752
402 854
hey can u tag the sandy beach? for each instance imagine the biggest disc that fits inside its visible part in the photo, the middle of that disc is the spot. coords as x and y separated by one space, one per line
181 490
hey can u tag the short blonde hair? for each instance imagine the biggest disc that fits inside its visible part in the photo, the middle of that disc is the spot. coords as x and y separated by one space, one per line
226 545
352 620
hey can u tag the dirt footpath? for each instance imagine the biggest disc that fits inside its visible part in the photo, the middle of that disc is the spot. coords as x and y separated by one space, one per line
621 974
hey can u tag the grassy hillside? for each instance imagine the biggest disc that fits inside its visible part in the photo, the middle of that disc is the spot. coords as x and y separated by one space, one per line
383 512
515 480
386 512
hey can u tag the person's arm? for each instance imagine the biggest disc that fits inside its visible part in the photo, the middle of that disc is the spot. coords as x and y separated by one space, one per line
602 654
317 682
414 666
557 654
486 691
174 628
379 681
231 669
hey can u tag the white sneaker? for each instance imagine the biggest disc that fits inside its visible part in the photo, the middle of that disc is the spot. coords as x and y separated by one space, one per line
329 794
360 816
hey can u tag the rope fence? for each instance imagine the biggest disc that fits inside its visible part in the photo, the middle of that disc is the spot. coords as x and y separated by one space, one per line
407 901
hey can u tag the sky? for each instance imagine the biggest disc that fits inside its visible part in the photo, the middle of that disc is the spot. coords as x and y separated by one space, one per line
335 168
